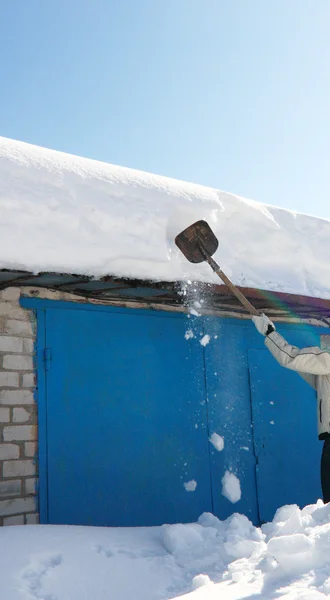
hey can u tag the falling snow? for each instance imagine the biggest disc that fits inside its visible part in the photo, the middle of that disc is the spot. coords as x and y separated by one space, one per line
205 340
217 441
231 487
190 486
189 334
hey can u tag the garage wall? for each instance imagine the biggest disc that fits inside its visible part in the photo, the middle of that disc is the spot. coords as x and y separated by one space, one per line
18 411
18 414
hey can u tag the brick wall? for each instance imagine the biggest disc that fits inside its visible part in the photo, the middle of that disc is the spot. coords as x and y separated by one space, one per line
18 415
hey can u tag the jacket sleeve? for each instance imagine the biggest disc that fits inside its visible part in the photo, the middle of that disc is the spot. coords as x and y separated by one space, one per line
307 361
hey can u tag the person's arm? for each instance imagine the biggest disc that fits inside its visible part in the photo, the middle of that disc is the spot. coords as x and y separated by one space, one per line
313 360
308 362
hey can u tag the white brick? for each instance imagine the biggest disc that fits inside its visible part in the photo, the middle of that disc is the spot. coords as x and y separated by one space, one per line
17 362
9 343
18 520
4 415
16 397
18 468
9 309
28 345
30 449
28 380
20 415
18 327
13 311
10 488
25 433
32 519
11 294
17 506
9 379
30 486
8 451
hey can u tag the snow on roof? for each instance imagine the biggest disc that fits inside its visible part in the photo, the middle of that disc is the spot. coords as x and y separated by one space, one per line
65 214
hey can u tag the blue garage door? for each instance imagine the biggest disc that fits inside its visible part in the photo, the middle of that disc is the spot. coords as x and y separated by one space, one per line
129 407
229 412
126 423
285 434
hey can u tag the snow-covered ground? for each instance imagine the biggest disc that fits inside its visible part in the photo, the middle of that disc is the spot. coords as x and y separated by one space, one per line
68 214
286 559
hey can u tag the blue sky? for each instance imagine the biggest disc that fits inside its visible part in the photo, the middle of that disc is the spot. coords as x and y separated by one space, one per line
234 94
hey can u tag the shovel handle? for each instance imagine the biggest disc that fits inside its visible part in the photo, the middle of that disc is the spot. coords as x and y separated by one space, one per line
214 265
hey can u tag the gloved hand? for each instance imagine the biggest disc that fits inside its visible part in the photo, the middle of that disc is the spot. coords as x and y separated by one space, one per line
263 324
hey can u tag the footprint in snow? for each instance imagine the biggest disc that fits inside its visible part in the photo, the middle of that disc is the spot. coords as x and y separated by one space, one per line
123 550
114 551
33 576
103 551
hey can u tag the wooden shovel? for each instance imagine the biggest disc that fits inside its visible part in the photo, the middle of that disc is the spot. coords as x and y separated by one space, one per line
198 243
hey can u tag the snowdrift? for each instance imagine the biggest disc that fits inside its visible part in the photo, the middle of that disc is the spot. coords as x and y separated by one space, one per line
66 214
286 559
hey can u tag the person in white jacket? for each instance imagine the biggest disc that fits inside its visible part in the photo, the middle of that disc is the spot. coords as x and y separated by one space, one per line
313 364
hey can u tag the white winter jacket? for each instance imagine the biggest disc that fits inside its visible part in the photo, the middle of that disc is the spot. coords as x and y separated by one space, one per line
313 364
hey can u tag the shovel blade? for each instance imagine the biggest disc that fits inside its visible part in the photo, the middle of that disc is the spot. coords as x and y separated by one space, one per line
197 242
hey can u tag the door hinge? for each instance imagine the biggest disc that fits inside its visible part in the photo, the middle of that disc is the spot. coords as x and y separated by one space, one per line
47 358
